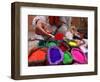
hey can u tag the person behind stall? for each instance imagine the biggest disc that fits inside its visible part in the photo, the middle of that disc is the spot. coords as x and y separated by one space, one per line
83 42
78 37
59 23
49 25
71 33
41 27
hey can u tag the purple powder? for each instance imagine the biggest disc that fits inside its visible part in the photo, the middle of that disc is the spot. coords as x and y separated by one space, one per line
55 55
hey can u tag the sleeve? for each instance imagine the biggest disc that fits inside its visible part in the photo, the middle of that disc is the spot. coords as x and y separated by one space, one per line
35 20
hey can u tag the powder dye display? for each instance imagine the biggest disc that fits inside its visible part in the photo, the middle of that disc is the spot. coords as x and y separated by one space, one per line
62 42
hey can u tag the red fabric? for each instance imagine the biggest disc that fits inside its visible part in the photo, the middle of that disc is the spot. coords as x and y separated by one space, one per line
51 20
54 20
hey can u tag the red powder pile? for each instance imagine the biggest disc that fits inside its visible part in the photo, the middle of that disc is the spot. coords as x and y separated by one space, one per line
59 36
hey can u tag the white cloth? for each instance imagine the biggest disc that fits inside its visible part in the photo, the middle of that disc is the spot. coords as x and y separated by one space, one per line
69 35
63 28
66 20
83 47
43 19
40 18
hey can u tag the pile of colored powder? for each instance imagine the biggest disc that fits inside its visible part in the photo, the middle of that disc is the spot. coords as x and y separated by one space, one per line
78 56
51 43
59 36
72 43
42 43
54 55
67 58
37 56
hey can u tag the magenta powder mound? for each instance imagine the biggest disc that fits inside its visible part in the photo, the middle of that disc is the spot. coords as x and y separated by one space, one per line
55 55
78 56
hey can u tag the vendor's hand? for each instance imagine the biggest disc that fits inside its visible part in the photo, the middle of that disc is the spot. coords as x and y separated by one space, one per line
52 36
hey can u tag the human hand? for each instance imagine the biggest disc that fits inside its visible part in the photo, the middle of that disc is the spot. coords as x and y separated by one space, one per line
52 36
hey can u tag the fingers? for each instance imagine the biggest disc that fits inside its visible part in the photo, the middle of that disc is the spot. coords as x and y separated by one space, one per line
52 36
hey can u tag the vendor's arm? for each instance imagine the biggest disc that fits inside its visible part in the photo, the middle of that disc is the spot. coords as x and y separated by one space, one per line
42 29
